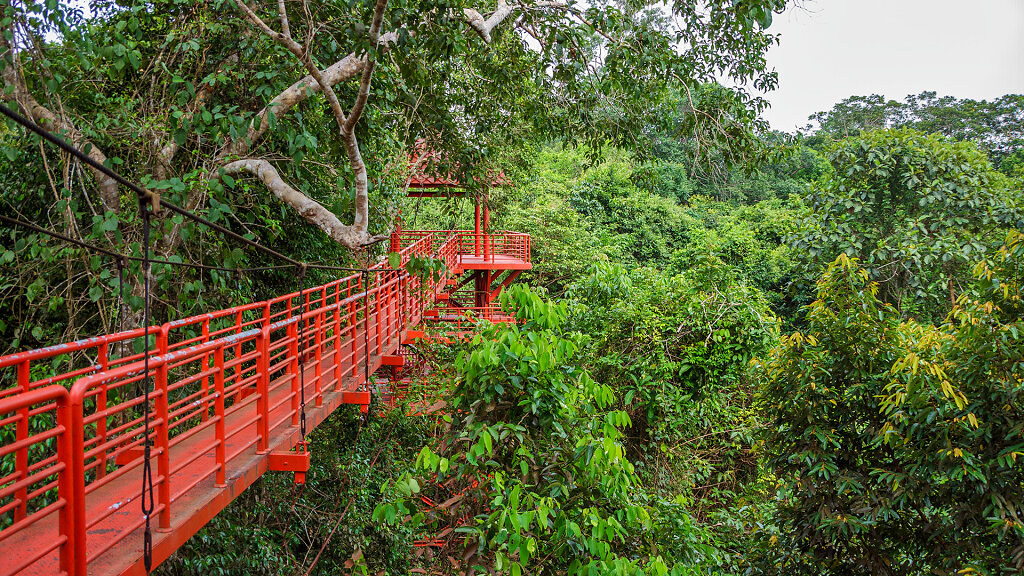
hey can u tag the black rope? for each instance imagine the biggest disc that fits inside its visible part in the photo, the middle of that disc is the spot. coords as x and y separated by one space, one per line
301 352
120 256
147 469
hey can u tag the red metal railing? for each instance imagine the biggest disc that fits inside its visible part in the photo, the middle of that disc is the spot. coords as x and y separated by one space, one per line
488 246
226 389
47 483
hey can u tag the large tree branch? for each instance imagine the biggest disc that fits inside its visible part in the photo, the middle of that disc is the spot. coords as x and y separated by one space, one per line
302 54
310 210
341 71
364 82
356 234
346 123
485 27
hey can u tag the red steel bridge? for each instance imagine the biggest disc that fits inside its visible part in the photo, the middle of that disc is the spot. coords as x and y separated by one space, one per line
227 392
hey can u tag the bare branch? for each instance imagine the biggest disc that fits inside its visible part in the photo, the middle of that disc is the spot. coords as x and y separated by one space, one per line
341 71
303 56
284 18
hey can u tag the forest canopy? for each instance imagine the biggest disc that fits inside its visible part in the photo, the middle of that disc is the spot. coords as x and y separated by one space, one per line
738 351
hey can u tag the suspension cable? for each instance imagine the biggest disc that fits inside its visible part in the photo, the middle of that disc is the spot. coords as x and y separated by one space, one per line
125 257
120 256
148 504
120 299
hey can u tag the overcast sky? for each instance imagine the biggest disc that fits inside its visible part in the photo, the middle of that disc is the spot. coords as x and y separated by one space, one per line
832 49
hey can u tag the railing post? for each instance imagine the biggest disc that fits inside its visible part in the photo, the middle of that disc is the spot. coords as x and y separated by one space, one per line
77 480
262 390
337 336
238 350
163 445
353 331
294 365
376 307
65 489
206 379
218 385
319 355
21 433
102 357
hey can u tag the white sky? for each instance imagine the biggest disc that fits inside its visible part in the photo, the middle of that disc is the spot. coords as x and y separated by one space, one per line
832 49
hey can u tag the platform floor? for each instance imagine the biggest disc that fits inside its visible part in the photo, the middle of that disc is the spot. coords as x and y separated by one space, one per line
471 262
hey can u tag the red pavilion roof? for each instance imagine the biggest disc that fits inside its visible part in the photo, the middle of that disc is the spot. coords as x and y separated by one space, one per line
423 184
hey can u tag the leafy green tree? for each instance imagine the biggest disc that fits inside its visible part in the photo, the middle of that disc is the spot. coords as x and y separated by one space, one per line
533 455
897 445
467 65
997 127
270 116
917 210
676 348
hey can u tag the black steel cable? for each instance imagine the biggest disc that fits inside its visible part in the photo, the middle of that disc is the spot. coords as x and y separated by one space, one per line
147 468
120 256
120 299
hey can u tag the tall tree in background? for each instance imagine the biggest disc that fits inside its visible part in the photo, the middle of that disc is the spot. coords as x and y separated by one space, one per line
919 211
997 126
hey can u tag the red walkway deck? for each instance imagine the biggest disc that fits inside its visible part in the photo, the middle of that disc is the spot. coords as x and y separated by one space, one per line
226 395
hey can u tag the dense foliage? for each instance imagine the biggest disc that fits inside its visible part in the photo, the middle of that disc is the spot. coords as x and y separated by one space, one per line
917 210
740 352
895 443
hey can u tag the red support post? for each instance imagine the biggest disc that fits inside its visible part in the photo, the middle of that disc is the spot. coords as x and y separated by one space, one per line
206 379
238 352
162 445
294 365
376 308
337 336
476 227
21 434
353 322
318 386
102 358
219 415
65 485
263 390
